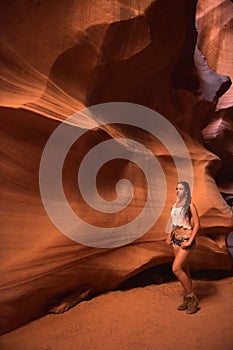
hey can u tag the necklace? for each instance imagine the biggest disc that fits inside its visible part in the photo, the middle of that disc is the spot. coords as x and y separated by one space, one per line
178 205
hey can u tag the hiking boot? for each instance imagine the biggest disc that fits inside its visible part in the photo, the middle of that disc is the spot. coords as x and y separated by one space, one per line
184 305
192 305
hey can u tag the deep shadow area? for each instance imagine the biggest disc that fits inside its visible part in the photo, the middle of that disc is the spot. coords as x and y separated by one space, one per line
163 274
154 275
211 275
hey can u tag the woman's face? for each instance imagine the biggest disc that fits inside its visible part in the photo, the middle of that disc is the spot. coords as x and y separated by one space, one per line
180 191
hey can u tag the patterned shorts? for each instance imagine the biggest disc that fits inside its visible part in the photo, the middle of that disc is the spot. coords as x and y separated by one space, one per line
178 242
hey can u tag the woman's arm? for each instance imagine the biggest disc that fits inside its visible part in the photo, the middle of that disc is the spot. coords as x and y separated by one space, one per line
169 230
195 225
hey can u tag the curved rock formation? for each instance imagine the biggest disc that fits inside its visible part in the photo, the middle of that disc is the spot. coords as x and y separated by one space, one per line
58 59
214 21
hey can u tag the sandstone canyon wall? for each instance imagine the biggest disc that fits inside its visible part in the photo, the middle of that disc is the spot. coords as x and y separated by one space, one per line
58 58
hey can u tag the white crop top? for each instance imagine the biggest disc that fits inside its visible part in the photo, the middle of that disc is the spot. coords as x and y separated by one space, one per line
179 219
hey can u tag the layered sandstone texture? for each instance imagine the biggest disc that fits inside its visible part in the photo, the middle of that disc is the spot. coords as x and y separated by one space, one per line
58 58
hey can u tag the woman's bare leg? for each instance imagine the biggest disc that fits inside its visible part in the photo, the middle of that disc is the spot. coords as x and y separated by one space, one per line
180 268
187 270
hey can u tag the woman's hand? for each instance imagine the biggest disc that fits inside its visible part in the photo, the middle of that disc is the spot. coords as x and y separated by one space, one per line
169 240
186 244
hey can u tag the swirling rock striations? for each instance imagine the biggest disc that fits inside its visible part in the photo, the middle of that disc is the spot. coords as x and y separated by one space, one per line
58 58
214 22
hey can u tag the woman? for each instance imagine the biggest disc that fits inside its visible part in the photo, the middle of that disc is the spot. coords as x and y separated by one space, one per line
182 228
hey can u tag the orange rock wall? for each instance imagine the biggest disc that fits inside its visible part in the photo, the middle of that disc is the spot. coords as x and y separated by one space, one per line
58 58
